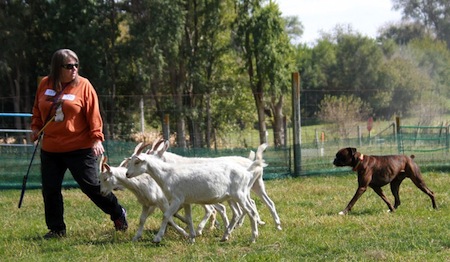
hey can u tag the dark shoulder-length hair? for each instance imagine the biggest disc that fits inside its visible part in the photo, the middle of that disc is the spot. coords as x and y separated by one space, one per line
59 58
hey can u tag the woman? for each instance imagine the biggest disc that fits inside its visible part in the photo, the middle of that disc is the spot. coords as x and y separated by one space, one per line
71 140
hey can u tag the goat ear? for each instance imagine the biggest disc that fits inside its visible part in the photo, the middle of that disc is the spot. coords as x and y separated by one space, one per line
101 162
106 168
124 162
104 159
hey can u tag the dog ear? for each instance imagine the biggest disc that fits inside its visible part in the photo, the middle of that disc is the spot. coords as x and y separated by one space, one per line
352 150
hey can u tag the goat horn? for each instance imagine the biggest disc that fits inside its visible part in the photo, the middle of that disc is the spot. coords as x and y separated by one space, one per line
157 144
142 146
137 148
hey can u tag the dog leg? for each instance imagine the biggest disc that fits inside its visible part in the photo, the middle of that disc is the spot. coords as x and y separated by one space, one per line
352 202
395 187
379 191
413 172
418 181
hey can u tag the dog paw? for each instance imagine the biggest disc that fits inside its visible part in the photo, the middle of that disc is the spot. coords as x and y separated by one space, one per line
342 213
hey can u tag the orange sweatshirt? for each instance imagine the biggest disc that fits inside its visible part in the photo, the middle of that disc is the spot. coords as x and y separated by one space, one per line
82 124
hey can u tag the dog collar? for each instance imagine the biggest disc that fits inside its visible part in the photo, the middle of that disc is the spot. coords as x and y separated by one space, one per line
361 158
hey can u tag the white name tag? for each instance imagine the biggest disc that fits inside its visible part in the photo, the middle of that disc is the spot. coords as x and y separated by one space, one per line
69 97
50 92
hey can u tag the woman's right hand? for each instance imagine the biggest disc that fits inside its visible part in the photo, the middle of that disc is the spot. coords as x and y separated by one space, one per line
35 135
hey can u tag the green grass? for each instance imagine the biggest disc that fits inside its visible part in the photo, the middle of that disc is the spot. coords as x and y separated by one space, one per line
308 207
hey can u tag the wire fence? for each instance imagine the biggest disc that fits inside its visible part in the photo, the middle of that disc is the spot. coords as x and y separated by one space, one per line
429 144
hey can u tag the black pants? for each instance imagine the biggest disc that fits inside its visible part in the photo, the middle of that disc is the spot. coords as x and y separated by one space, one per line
84 169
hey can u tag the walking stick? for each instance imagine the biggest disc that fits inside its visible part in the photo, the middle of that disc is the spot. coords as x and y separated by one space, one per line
25 178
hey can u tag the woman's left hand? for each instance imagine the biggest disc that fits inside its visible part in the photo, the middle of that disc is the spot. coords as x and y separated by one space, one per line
98 148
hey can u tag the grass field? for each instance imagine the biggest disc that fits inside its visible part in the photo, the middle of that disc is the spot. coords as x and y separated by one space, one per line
308 207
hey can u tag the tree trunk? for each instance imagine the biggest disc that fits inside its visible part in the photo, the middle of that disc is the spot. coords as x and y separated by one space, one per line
208 122
277 123
261 117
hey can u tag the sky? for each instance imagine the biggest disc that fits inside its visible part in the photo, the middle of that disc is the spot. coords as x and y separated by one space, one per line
364 16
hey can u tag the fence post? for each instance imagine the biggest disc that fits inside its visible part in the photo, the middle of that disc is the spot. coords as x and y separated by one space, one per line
394 132
399 139
166 127
296 122
447 138
141 107
358 130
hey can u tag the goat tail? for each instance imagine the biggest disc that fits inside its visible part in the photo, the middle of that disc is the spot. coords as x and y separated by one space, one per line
252 155
258 155
256 168
258 162
259 152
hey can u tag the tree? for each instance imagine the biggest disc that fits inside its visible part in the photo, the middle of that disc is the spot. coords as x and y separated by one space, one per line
294 28
402 33
341 63
343 112
17 28
401 82
433 14
265 47
432 59
155 60
34 30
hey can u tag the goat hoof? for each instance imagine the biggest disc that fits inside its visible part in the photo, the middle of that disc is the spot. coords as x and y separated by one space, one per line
156 240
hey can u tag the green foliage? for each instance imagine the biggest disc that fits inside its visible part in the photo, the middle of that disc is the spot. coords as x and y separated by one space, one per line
400 93
358 61
308 208
409 80
403 33
294 27
178 55
433 15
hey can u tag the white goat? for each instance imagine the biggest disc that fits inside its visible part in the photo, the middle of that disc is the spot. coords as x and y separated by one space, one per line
148 194
257 186
206 183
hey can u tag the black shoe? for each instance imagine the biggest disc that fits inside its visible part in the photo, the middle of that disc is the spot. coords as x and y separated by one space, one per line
55 234
121 223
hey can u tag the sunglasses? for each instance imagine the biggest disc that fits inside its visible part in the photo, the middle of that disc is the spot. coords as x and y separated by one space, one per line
69 66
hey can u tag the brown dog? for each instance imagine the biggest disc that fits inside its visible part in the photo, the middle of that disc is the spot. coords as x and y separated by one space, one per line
377 171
